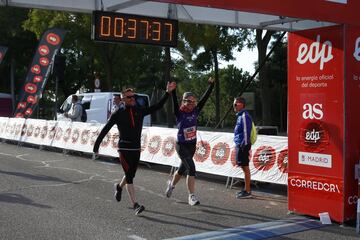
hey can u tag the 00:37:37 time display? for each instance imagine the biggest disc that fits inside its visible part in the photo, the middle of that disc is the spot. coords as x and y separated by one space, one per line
131 28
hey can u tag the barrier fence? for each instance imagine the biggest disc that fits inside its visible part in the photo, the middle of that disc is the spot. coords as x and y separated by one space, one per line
215 152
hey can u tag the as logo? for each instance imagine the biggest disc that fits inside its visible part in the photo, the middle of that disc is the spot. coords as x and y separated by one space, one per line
312 111
315 52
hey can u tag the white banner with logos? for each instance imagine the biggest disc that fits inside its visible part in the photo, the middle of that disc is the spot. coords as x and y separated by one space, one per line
215 153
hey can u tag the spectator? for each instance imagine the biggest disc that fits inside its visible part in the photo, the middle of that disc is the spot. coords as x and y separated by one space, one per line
117 103
242 134
75 111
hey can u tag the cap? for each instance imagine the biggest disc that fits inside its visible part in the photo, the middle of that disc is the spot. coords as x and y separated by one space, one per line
241 100
188 94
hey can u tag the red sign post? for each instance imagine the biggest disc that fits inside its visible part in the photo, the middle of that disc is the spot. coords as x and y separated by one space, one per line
322 113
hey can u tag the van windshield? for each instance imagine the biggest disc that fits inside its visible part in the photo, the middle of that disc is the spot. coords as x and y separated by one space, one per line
65 107
142 100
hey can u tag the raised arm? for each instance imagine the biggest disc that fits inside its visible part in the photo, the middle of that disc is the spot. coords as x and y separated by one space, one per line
175 103
104 131
206 95
169 88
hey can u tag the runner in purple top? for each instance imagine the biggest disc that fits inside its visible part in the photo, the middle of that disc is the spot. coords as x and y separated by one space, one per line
186 120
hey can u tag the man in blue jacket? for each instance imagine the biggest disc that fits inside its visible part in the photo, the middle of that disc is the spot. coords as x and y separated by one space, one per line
242 133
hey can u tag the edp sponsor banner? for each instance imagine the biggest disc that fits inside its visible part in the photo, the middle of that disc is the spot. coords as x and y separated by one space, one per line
215 154
215 151
3 124
2 53
352 114
316 117
34 131
39 72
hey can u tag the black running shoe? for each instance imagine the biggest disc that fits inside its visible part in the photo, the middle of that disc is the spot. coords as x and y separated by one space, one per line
118 191
243 194
138 208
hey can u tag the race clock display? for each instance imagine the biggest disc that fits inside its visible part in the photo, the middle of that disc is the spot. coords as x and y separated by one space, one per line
120 27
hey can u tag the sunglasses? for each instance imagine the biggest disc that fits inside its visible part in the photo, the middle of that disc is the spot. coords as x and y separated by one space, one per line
237 104
129 97
189 101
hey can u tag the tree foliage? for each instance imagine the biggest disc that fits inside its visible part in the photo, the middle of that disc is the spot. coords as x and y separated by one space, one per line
207 44
200 48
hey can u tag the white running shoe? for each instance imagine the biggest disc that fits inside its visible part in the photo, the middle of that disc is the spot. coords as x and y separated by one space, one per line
193 200
169 189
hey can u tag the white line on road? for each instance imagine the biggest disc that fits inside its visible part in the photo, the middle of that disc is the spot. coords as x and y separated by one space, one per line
135 237
5 154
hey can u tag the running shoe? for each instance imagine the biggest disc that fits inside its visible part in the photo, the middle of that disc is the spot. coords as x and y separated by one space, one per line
118 191
193 200
138 208
169 189
243 194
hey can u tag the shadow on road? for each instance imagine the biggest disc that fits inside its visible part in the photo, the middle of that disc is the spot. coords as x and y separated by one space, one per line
34 177
20 199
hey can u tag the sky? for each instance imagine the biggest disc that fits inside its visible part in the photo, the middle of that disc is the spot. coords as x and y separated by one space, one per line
244 59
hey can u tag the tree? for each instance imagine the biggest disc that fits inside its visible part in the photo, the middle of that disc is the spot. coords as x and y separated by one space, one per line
207 44
262 42
21 46
118 65
277 73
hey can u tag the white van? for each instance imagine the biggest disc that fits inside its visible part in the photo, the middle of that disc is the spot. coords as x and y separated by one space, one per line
98 106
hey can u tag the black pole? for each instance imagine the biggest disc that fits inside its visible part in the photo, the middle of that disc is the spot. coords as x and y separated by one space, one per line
56 95
12 83
251 79
169 110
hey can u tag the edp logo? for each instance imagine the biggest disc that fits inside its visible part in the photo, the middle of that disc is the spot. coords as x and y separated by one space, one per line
315 52
357 49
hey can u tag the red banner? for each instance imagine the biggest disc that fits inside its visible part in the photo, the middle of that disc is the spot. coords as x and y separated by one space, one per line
352 114
337 11
316 121
312 195
39 72
2 53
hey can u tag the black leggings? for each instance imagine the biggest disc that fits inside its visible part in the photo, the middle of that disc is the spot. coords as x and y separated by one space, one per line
129 161
186 152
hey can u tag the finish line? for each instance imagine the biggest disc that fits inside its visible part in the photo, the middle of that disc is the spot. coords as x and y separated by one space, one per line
259 231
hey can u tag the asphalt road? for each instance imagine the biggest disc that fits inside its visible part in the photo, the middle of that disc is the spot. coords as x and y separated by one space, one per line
45 194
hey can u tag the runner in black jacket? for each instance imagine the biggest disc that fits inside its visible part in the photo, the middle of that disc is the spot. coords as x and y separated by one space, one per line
130 122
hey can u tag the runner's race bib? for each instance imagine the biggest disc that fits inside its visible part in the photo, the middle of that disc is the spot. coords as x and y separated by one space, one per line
190 133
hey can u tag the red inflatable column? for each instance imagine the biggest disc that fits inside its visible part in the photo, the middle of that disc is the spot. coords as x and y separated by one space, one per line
324 129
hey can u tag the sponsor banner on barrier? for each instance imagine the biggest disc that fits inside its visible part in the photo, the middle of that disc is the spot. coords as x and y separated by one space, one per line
3 124
215 153
34 131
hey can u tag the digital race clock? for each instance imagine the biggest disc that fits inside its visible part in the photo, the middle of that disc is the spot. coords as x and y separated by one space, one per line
120 27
